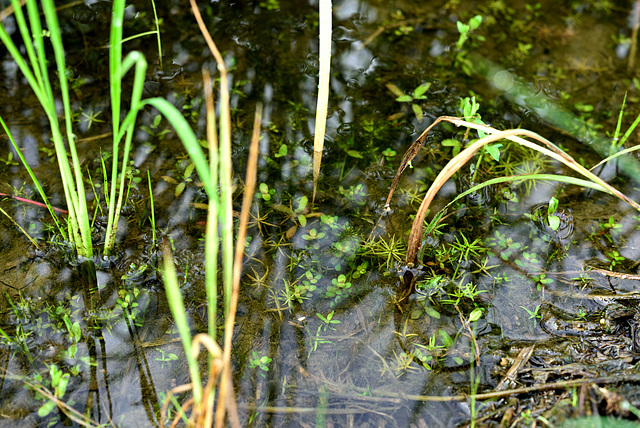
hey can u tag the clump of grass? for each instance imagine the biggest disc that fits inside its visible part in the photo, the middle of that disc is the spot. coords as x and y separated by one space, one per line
34 67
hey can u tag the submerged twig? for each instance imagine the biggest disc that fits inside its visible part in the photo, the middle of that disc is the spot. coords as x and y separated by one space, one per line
564 384
520 361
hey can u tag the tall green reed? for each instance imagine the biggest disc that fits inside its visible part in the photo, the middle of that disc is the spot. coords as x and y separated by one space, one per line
34 68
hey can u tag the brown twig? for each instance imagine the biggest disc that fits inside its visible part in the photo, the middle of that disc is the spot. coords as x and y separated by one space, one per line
605 380
522 359
398 24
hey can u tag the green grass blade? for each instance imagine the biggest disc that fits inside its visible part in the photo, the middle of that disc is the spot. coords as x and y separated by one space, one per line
34 179
616 143
540 177
115 85
78 197
176 304
212 243
127 130
35 79
615 155
39 81
155 19
188 138
136 36
153 212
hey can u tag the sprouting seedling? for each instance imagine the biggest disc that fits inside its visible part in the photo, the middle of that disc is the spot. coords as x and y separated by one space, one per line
533 315
466 29
552 218
327 321
417 94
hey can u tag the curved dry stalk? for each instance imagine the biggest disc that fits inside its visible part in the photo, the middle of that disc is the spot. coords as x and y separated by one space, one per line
464 156
216 363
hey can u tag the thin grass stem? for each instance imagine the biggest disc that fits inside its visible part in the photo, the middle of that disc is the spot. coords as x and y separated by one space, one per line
24 232
174 297
212 242
157 22
34 179
153 211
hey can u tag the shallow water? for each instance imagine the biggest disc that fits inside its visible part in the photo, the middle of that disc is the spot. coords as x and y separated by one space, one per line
348 344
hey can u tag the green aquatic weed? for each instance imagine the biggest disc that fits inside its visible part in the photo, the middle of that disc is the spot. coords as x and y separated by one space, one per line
257 360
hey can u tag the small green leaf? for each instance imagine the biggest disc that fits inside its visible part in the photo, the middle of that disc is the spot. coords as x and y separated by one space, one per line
475 22
420 91
553 205
417 110
554 222
405 99
354 154
46 408
180 188
432 313
585 108
454 144
395 90
475 315
494 151
302 204
282 152
189 170
445 338
302 220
